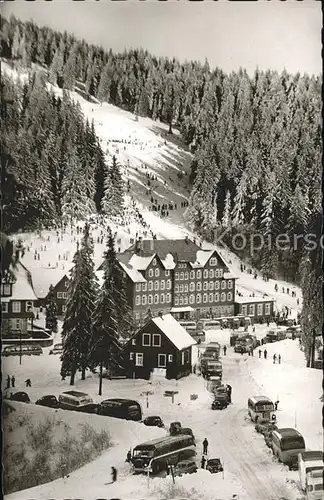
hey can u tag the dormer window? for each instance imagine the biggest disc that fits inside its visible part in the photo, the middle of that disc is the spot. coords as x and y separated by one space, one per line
154 262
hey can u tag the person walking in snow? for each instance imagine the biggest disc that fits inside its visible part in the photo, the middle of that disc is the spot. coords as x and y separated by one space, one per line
224 350
128 456
274 358
279 359
229 392
260 352
28 382
113 474
203 462
13 380
205 446
8 382
265 353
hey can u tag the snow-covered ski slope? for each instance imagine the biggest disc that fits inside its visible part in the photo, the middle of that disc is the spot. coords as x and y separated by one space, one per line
143 146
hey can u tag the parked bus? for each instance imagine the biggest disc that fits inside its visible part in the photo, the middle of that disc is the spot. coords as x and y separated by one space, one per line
286 444
261 409
307 462
314 485
212 324
121 408
190 326
159 453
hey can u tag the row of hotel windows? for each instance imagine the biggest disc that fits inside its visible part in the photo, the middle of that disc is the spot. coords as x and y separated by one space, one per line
211 297
251 309
162 285
16 306
183 300
149 299
211 285
218 273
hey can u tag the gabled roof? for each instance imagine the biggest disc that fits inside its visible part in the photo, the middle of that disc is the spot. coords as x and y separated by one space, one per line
22 288
139 262
179 337
44 277
182 250
202 257
132 273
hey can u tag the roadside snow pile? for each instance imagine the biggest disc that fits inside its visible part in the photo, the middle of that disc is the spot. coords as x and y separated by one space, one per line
199 486
298 389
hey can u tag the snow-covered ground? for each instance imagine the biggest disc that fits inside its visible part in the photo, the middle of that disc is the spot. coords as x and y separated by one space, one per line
230 434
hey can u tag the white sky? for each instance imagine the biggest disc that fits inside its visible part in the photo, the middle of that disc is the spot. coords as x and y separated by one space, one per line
269 34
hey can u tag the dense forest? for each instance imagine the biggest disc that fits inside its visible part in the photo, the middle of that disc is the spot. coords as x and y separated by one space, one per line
256 140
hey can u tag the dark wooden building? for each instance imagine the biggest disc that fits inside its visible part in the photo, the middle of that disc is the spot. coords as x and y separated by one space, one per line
259 309
161 343
17 302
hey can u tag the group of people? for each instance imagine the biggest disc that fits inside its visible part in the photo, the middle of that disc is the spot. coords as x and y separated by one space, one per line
11 382
275 357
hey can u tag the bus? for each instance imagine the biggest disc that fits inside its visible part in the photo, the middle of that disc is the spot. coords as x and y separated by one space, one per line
121 408
261 409
156 455
77 401
286 444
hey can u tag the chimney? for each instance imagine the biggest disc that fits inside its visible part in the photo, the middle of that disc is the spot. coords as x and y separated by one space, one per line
151 245
160 314
187 239
138 245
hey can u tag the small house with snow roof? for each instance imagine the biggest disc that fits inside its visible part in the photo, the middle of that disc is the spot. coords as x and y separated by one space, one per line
161 343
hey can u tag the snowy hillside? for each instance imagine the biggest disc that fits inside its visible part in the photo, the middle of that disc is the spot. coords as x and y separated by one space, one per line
146 152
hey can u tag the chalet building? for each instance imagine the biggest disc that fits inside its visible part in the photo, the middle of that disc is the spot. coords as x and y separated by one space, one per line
161 343
17 302
259 309
43 278
176 276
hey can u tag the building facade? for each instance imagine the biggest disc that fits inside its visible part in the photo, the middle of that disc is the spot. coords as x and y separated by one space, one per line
161 343
177 276
17 303
257 308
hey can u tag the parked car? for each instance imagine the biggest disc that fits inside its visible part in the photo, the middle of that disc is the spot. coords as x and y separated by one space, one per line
199 336
20 396
265 428
153 421
57 349
214 465
186 431
174 428
220 402
240 348
49 400
185 467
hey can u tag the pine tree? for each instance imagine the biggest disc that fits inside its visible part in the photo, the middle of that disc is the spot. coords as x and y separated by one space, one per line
51 311
109 315
82 291
113 200
75 203
226 219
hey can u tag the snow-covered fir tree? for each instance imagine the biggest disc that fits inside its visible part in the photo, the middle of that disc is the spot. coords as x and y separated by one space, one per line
82 293
51 311
113 200
110 314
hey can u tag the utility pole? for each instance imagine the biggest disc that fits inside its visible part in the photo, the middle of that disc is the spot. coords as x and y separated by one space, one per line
20 347
147 394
